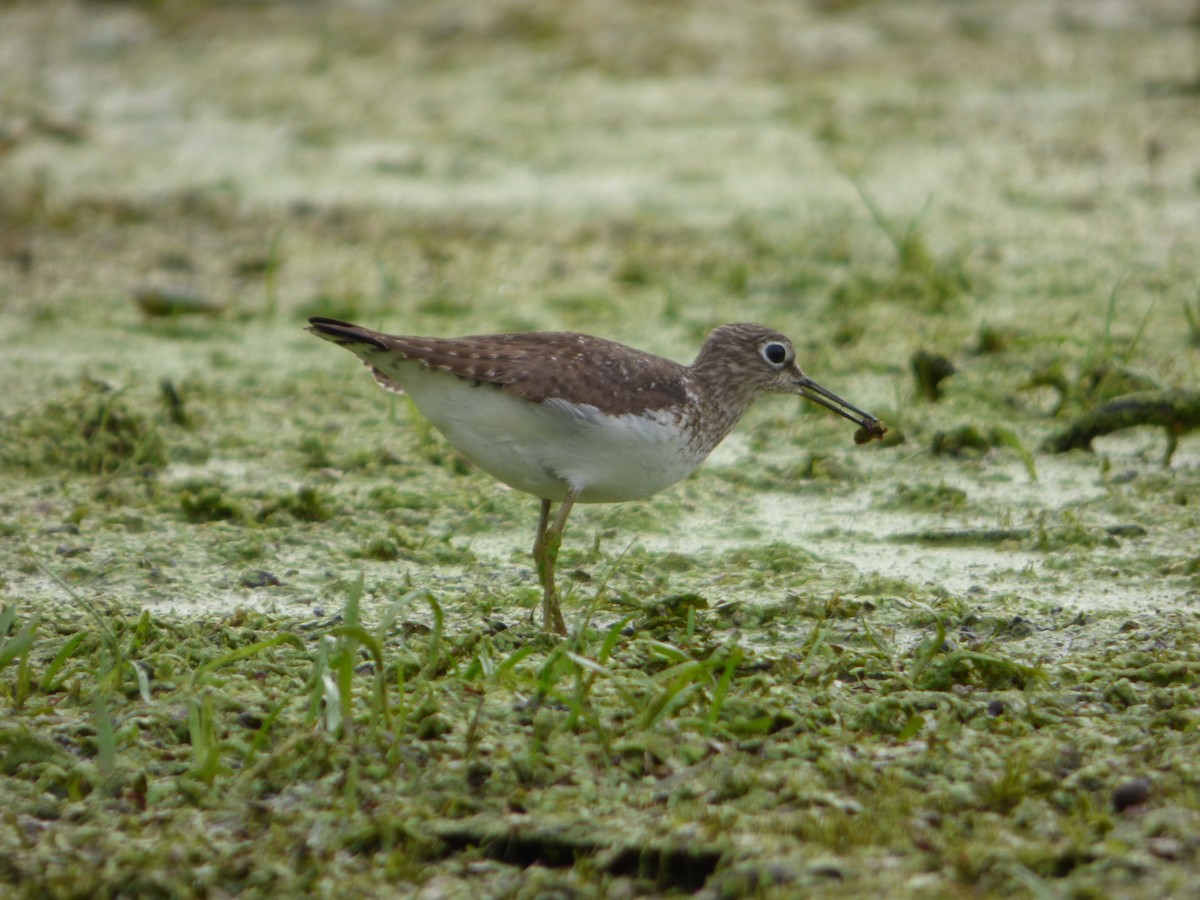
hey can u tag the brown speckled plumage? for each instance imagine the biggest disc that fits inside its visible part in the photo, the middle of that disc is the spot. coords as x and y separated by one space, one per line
536 366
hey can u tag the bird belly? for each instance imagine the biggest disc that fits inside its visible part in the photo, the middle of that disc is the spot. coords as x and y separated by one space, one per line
616 458
542 448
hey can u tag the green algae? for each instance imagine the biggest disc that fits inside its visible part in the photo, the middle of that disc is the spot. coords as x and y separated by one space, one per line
264 632
442 744
91 428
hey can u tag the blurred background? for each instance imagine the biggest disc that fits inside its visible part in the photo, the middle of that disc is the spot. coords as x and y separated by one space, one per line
538 164
962 661
976 219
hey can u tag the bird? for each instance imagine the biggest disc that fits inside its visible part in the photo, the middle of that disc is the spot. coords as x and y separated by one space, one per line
571 418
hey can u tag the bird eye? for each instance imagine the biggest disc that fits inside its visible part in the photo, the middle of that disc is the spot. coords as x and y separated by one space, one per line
775 353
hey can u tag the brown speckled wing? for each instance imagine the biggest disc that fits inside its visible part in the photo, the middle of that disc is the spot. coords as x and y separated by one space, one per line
557 366
537 366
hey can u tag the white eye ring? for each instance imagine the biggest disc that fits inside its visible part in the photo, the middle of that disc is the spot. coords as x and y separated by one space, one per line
775 353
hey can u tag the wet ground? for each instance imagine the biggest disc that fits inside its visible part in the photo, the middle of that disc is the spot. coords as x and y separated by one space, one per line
1010 186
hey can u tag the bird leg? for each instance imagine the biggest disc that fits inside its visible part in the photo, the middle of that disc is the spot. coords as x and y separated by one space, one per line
539 544
545 555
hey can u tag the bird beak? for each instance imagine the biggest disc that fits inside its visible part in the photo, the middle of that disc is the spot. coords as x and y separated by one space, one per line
870 427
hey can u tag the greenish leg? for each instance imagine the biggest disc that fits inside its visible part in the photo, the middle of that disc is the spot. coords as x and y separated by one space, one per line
545 555
539 542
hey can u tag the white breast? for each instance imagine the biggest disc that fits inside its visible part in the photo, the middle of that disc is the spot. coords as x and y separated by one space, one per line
541 448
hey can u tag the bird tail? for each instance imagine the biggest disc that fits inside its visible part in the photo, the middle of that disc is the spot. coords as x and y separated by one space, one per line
345 334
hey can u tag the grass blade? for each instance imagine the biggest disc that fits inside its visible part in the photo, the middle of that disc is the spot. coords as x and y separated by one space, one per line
106 739
243 652
18 643
723 683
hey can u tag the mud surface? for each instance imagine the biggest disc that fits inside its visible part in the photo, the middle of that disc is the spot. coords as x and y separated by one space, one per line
1012 187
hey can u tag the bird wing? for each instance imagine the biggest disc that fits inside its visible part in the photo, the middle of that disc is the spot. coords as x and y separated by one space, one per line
537 366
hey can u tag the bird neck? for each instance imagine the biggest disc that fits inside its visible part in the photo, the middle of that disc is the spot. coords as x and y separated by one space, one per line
722 399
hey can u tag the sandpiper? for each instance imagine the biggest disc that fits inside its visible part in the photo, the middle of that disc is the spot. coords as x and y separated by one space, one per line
571 418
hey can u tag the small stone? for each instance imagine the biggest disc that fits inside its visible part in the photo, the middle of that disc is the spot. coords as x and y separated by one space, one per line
1131 793
1165 847
258 578
250 720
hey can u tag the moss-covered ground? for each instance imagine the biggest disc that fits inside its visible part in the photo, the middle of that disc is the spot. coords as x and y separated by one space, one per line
264 633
